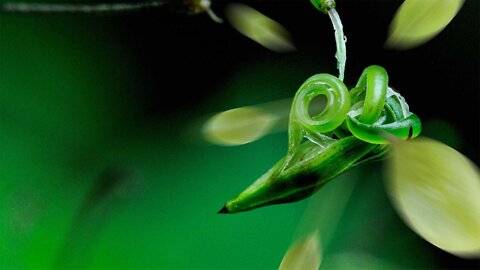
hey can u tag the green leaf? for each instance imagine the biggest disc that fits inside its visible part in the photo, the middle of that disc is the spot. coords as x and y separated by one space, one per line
418 21
437 192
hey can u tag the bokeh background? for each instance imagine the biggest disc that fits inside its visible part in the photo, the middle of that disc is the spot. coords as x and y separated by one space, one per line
102 164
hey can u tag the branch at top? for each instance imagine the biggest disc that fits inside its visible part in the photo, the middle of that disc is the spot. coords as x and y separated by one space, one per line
184 6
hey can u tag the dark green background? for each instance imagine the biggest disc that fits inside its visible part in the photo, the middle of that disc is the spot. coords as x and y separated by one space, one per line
101 165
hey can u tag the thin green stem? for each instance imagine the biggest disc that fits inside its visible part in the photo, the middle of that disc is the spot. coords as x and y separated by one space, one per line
340 41
328 7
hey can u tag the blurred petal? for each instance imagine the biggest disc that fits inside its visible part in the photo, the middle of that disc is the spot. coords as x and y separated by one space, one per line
238 126
418 21
437 191
303 255
259 28
219 129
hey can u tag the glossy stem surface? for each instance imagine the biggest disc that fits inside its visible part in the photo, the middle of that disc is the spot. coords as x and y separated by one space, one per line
337 107
340 41
374 81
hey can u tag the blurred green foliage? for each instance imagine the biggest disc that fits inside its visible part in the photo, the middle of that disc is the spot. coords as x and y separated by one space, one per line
84 184
63 107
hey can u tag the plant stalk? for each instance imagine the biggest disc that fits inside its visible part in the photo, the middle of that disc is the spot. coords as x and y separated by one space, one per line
189 7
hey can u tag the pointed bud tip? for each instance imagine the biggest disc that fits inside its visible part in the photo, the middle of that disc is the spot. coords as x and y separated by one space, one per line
224 210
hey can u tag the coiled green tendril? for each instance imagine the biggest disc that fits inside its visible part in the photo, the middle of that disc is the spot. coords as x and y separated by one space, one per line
354 128
371 111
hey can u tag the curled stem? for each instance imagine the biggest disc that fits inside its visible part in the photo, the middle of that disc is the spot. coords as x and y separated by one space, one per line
355 127
369 111
338 104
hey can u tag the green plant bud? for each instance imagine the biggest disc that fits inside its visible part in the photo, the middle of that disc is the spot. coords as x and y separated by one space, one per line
309 168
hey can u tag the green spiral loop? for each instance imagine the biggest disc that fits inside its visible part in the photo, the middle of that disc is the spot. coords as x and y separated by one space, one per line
374 81
371 111
334 114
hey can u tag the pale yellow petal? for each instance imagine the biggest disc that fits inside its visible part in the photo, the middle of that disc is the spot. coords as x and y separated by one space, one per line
238 126
259 28
417 21
437 192
304 255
